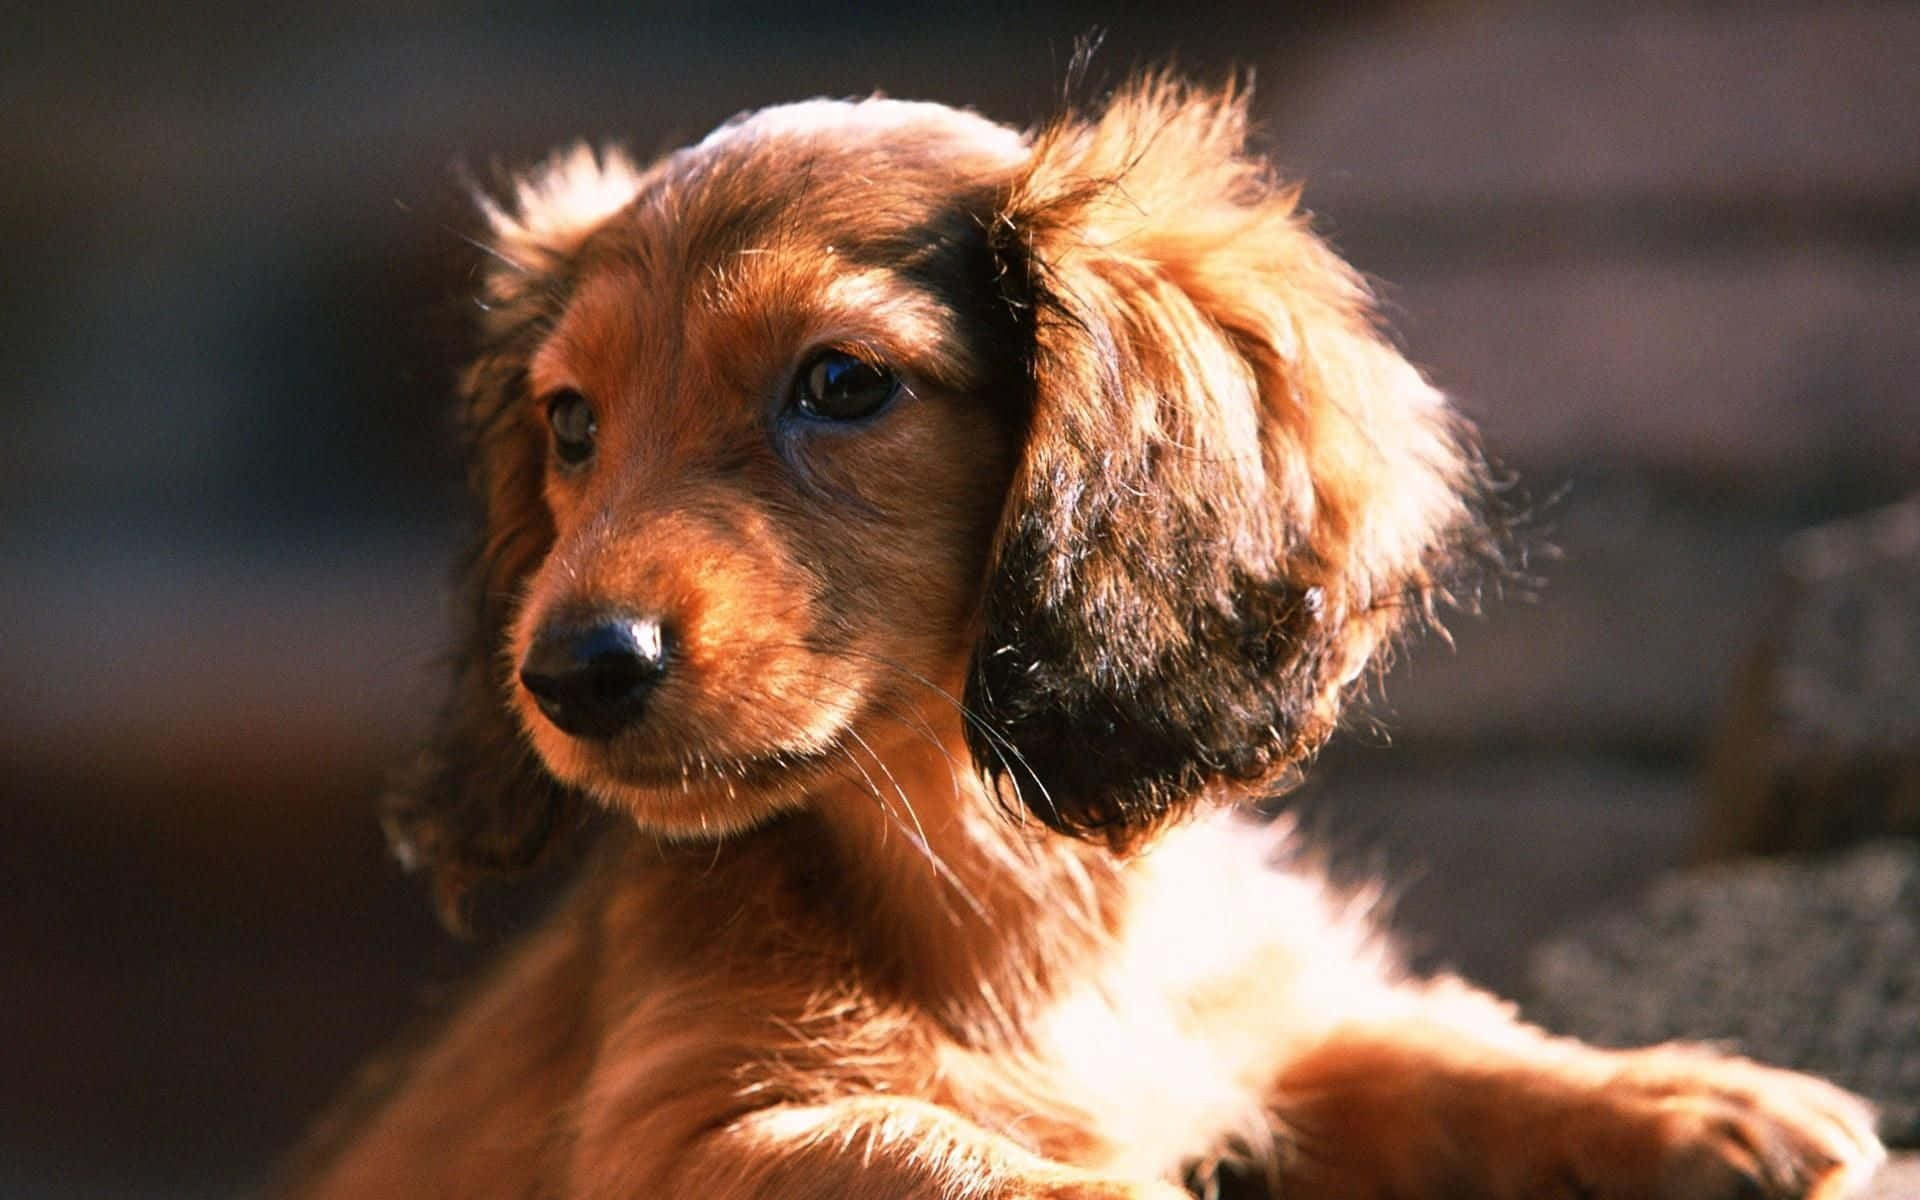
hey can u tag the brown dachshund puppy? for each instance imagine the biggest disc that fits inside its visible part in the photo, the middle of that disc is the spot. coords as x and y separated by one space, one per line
921 536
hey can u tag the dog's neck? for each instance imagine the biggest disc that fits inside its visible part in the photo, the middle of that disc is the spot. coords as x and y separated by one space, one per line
904 872
958 905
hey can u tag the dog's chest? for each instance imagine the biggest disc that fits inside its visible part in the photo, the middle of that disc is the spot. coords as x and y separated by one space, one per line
1222 969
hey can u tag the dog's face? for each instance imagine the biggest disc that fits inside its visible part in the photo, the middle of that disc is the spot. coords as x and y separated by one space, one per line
772 425
855 412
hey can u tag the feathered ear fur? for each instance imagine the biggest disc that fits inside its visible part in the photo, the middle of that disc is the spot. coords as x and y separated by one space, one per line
478 802
1234 490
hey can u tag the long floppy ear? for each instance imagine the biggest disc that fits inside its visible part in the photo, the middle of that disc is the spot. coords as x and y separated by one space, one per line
1234 490
477 802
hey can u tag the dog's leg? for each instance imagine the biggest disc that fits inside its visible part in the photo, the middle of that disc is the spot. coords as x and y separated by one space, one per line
882 1148
1444 1092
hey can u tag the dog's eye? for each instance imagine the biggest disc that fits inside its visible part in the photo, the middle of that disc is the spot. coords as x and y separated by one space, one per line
836 386
571 418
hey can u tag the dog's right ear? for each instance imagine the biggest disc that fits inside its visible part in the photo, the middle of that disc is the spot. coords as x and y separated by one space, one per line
1234 492
478 803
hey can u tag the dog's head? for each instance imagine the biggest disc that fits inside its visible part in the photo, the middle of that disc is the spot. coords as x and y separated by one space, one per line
854 407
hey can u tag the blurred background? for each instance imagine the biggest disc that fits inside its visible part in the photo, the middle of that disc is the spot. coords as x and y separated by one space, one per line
1668 256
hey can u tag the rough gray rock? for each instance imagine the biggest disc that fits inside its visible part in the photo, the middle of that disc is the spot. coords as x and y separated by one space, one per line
1812 964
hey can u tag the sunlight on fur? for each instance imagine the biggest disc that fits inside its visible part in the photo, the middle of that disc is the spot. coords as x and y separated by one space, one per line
919 541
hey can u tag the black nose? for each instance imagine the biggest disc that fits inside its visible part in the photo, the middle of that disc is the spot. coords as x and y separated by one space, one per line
592 677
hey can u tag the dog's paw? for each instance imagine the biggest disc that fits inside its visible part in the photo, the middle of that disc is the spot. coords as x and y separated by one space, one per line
1677 1123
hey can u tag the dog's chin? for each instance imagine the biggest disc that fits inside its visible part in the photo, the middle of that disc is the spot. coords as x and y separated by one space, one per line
691 796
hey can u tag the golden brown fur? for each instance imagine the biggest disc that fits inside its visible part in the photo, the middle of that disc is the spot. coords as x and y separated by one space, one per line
924 878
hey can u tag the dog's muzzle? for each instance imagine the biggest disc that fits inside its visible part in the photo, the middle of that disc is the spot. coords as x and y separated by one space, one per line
592 677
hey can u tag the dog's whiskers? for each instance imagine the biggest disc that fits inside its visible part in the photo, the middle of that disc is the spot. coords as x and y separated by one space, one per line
996 739
918 834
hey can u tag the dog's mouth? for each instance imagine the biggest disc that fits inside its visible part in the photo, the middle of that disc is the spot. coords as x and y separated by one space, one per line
702 771
698 795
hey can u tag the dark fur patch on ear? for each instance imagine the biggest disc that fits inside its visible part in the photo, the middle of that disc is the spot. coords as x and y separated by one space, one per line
1100 748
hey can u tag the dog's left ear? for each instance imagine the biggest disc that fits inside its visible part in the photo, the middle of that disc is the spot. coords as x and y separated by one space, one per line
1233 492
477 803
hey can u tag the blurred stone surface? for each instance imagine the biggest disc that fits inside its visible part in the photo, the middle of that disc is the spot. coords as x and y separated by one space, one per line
1821 744
1806 964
